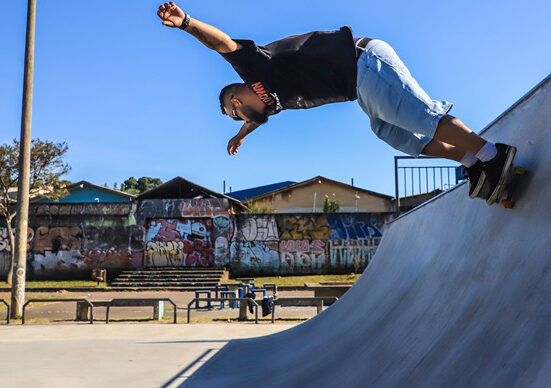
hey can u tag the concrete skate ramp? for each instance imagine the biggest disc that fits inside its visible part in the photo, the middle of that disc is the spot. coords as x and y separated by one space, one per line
458 294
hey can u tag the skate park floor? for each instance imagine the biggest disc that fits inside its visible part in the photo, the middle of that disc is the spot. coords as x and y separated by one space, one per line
117 355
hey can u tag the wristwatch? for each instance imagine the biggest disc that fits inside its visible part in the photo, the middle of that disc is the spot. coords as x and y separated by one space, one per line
185 23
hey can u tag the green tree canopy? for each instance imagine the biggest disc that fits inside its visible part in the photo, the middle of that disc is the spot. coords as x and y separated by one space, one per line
133 186
47 168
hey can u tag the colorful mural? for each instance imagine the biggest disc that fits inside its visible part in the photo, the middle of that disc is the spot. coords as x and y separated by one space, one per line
76 238
305 243
182 242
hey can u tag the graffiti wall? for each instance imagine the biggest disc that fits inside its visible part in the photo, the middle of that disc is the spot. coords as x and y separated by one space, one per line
181 242
305 243
5 249
69 240
179 208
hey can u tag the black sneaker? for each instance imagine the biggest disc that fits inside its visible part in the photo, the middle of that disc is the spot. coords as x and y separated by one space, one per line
497 170
477 177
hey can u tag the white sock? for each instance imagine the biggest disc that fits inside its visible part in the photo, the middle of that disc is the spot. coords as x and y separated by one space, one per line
468 160
488 152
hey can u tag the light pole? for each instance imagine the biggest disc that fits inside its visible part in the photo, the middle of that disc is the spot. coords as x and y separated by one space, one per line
23 187
315 195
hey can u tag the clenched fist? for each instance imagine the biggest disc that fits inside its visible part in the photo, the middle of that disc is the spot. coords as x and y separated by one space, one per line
234 144
171 15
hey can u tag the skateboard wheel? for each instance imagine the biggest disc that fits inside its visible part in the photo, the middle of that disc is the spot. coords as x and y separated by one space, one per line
520 170
507 203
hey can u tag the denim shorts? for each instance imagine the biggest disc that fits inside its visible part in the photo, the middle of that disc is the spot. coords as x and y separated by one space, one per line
401 113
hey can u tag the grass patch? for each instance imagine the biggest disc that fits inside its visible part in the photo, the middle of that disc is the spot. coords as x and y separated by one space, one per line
59 284
295 281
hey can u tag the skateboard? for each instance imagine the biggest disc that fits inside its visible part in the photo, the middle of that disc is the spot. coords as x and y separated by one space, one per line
507 197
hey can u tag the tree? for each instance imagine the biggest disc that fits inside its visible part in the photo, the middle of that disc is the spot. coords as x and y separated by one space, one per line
135 187
331 205
47 167
146 183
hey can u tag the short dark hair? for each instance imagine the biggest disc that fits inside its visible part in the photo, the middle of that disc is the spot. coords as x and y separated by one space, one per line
226 92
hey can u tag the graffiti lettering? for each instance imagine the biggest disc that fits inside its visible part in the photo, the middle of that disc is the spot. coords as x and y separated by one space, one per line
5 241
342 253
57 239
255 253
179 243
60 260
302 246
257 229
114 238
299 261
303 227
72 209
177 208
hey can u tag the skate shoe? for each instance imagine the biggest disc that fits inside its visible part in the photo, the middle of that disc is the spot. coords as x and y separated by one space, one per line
497 170
477 177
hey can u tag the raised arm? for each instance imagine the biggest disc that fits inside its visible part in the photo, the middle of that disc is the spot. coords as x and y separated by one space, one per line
236 141
212 37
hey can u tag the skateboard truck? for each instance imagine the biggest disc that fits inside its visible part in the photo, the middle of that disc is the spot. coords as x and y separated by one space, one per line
516 173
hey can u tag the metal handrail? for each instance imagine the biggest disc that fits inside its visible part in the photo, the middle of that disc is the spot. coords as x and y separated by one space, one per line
9 310
60 300
223 300
122 300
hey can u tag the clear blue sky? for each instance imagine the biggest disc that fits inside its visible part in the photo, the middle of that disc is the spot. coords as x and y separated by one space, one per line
134 98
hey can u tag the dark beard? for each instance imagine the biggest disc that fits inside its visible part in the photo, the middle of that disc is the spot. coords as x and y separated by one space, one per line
258 117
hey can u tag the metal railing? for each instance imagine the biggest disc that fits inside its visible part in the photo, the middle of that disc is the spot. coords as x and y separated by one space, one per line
9 311
60 300
222 300
126 302
413 180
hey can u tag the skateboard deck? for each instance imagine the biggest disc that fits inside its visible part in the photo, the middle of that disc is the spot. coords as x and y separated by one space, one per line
507 197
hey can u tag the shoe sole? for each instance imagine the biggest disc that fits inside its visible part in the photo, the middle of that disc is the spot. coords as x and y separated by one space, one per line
479 185
504 174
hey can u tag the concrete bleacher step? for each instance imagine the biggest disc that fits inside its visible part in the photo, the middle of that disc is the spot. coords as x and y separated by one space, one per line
183 273
167 288
169 278
152 284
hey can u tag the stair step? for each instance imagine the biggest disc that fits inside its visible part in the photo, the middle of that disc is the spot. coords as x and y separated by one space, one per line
167 288
169 278
138 284
198 273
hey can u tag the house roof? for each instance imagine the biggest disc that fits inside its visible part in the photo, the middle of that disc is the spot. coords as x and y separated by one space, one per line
97 187
243 195
81 185
319 177
182 188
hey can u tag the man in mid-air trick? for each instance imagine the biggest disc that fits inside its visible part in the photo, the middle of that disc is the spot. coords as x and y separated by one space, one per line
322 67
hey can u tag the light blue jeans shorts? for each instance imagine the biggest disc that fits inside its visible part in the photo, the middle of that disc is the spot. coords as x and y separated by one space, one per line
401 113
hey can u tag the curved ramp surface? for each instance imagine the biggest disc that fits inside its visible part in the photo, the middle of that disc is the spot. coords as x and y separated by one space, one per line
458 294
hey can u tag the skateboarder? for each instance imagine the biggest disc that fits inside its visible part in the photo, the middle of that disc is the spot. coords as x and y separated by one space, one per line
322 67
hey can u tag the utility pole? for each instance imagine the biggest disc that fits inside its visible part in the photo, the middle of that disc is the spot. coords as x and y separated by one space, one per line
23 187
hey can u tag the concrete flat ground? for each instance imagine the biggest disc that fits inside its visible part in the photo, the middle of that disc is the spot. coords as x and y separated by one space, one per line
137 355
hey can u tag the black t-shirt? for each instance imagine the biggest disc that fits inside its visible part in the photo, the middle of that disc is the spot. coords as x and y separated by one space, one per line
301 71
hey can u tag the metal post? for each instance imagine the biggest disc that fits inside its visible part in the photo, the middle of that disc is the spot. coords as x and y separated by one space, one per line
397 211
23 187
